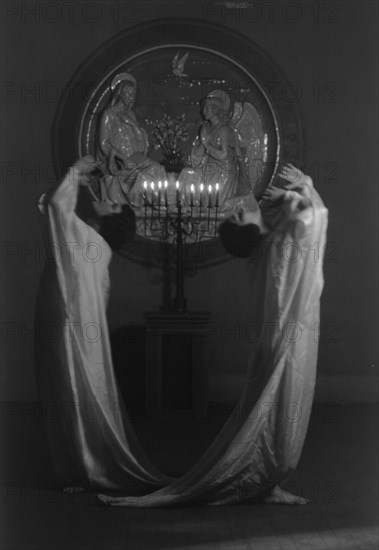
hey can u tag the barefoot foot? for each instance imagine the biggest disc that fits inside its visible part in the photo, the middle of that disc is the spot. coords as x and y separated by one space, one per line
278 496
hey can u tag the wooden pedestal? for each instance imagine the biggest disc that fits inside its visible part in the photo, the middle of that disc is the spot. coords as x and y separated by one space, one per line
176 365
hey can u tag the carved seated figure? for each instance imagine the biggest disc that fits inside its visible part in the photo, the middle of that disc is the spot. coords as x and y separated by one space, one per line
123 146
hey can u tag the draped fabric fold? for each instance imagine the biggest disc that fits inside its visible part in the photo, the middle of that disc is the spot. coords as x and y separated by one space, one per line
90 435
261 443
91 439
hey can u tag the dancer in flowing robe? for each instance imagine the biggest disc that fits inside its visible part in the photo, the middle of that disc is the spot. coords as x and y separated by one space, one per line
91 440
259 447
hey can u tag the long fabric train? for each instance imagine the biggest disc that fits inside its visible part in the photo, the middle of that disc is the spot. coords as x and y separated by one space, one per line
90 436
91 439
261 443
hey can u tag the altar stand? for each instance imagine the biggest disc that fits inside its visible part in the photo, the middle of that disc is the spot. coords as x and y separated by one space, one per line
176 363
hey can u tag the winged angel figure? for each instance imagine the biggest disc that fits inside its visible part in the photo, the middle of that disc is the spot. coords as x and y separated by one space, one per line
252 140
228 151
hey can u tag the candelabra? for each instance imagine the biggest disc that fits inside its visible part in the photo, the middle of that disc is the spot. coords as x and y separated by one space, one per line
178 215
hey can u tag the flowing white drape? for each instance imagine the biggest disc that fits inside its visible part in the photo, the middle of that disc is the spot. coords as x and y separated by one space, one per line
261 443
91 439
90 436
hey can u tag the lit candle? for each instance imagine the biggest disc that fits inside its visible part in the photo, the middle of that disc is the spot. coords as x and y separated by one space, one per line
192 192
177 192
159 192
145 193
217 188
165 192
201 193
152 193
209 195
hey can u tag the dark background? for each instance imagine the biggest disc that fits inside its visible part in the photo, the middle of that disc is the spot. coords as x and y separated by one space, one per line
328 50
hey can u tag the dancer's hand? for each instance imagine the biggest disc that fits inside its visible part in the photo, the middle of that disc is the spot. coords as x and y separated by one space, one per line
84 167
273 194
293 176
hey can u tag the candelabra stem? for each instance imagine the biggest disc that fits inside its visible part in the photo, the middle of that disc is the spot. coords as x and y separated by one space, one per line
180 303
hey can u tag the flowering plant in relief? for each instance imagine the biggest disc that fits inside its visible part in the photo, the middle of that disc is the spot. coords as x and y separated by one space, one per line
169 133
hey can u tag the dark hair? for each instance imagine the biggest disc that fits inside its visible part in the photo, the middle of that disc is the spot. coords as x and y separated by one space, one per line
239 240
118 229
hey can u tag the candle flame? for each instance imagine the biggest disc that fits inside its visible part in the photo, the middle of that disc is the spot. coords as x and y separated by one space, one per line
152 185
201 187
177 185
209 189
192 188
145 184
166 184
159 184
217 186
